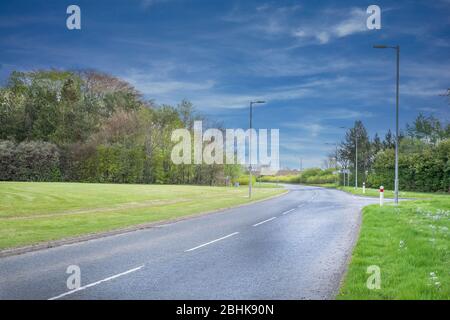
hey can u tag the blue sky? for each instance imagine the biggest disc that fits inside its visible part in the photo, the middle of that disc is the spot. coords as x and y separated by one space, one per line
311 60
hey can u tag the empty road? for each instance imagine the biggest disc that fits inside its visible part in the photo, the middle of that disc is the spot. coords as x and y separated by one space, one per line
294 246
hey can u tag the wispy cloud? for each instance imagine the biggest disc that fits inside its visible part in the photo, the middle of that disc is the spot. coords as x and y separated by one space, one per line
153 86
315 124
320 28
348 23
264 20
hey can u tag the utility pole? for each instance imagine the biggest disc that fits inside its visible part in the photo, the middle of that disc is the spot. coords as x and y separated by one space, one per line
396 125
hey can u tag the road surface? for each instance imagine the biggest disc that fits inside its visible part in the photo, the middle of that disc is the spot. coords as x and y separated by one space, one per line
295 246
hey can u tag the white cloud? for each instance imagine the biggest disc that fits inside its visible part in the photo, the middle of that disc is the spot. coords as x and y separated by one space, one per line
324 31
354 24
153 87
264 20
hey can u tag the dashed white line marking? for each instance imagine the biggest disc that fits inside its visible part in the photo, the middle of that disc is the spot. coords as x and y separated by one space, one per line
259 223
96 283
286 212
205 244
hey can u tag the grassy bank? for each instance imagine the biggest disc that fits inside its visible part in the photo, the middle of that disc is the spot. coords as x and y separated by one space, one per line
390 193
411 246
36 212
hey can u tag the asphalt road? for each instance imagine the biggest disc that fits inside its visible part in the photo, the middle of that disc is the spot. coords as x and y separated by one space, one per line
291 247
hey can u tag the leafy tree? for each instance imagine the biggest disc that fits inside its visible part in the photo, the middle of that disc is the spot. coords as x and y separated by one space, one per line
357 134
389 140
428 129
29 161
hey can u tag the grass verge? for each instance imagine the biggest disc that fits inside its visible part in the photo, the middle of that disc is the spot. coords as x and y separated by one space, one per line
36 212
410 245
370 192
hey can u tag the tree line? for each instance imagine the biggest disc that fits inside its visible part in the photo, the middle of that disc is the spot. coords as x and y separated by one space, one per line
89 126
424 156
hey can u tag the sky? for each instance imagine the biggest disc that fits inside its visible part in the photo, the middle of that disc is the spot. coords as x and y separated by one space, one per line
312 61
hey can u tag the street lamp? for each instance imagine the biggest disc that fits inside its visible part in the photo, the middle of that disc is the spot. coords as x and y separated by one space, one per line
250 148
397 49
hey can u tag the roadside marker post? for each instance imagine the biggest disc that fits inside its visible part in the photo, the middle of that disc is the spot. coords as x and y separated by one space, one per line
381 196
364 188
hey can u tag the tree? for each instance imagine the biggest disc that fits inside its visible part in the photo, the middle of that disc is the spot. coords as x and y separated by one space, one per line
60 106
376 146
389 140
428 129
347 150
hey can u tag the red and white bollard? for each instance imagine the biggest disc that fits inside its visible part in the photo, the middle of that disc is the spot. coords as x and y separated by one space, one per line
381 196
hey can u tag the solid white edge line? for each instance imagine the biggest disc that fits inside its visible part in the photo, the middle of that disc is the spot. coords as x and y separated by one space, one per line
96 283
286 212
257 224
205 244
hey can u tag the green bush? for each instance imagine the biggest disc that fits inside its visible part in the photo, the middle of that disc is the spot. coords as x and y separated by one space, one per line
29 161
243 180
427 170
114 163
308 176
279 179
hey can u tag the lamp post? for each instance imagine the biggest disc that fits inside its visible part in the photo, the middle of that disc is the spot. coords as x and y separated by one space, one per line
250 148
397 49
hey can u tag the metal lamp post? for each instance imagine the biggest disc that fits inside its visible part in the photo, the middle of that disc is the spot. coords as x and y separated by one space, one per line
250 149
397 49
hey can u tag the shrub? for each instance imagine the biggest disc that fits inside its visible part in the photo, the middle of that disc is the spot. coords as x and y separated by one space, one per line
29 161
243 180
114 163
427 170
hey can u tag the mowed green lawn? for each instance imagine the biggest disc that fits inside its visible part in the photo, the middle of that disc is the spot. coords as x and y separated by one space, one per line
411 246
36 212
389 194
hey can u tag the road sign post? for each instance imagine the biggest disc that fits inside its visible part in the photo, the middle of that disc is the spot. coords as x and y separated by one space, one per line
381 196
